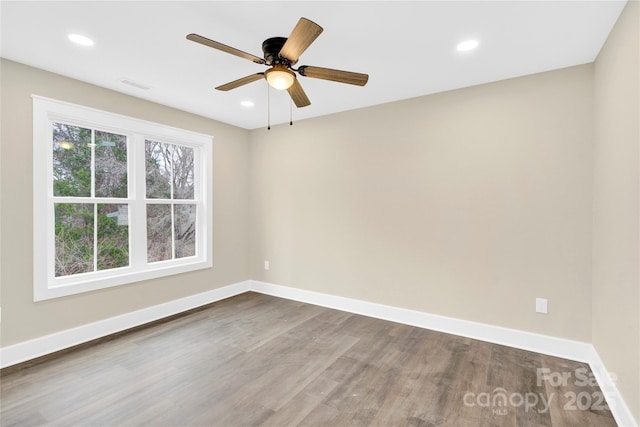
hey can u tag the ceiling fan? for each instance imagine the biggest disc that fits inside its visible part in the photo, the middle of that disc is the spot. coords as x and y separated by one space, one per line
281 54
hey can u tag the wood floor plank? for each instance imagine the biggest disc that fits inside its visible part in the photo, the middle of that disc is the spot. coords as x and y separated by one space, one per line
258 360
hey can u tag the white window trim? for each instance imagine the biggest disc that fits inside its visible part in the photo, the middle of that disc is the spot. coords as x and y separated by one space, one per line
45 285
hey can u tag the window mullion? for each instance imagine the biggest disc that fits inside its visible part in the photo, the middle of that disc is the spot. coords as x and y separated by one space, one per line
93 195
138 211
95 237
172 183
50 220
173 232
93 163
197 200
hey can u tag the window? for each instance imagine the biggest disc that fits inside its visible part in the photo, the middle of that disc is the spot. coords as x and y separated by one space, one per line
116 199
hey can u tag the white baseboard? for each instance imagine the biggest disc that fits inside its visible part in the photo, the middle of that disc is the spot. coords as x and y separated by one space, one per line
545 344
618 406
568 349
47 344
574 350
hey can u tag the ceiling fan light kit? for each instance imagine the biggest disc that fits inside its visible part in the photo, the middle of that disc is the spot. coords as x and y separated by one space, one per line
279 77
281 54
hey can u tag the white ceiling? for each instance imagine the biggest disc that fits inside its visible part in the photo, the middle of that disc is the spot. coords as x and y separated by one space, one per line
407 48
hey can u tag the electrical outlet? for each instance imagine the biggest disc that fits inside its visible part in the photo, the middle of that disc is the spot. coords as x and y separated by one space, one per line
266 265
541 305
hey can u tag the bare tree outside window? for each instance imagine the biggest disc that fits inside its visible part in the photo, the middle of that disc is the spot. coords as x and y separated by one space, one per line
89 165
159 233
171 227
185 230
158 164
183 173
71 161
74 238
110 164
113 236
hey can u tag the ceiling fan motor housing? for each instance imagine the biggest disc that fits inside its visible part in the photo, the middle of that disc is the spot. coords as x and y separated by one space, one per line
271 48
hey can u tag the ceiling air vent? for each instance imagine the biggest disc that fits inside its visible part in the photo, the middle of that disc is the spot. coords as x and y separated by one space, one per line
135 84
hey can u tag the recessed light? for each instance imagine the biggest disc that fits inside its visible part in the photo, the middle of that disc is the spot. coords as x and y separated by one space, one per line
81 40
247 104
467 45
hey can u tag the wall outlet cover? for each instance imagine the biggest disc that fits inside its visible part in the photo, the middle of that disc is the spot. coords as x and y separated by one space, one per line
541 305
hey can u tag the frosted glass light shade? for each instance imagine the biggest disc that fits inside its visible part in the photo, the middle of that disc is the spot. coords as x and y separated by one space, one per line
280 77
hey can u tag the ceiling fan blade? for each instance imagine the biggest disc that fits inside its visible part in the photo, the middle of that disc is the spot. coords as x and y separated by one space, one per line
334 75
304 33
297 94
241 82
223 47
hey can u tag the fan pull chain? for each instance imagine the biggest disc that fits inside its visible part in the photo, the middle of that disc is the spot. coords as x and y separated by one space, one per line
268 107
290 112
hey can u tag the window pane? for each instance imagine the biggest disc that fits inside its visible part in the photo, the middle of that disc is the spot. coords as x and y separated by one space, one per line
71 161
158 161
158 233
110 164
74 238
182 172
185 230
113 236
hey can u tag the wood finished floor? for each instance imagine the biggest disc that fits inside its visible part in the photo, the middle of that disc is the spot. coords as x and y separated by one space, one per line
259 360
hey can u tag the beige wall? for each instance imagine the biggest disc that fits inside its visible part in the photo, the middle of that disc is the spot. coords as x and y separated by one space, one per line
468 204
616 225
23 319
